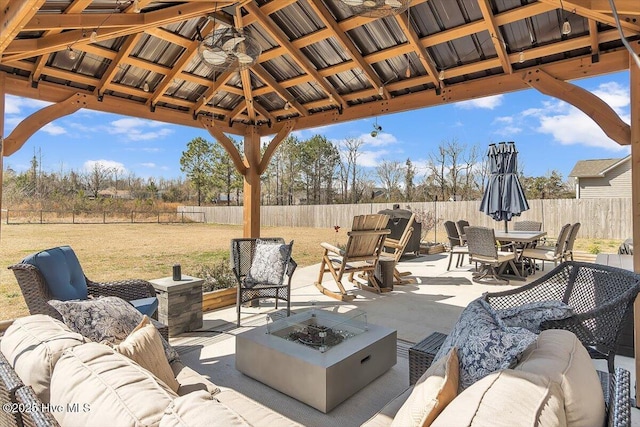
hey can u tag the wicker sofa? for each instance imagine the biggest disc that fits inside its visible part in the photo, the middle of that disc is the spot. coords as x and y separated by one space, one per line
51 376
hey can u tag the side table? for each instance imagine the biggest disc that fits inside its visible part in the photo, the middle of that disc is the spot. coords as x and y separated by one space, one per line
179 303
421 355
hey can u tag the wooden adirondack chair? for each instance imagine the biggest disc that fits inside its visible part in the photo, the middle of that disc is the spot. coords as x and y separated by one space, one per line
398 246
366 240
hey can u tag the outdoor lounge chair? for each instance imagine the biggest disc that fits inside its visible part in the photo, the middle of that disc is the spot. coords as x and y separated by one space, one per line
456 247
397 246
600 296
56 273
242 258
484 251
361 254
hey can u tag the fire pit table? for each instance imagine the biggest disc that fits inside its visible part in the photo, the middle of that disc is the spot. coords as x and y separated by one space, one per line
318 357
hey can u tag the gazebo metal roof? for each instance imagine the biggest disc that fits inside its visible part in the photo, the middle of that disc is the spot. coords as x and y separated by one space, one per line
319 64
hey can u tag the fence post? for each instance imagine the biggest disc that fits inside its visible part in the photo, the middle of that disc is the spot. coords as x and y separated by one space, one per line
158 217
104 217
132 217
40 216
7 216
181 214
73 216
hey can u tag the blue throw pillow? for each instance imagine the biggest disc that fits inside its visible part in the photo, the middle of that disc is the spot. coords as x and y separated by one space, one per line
485 344
62 272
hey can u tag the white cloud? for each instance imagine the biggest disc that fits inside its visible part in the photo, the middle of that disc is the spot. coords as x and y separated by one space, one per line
134 129
488 102
89 165
148 165
371 159
53 129
15 104
381 140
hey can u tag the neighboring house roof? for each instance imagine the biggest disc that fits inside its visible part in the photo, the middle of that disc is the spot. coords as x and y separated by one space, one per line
595 167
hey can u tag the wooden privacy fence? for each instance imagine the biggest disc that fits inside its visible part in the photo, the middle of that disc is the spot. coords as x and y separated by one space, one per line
600 218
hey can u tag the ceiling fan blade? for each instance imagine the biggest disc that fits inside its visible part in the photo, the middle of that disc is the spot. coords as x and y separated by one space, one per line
243 58
231 43
393 3
214 57
353 3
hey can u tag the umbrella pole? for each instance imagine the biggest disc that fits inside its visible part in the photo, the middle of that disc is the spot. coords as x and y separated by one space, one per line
506 226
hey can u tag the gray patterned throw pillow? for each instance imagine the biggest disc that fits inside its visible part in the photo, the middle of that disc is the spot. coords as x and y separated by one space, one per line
269 264
531 315
104 319
485 344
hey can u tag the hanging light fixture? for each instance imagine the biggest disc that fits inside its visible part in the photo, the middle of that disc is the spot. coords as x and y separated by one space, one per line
566 27
376 129
145 87
441 75
521 57
375 8
71 54
93 37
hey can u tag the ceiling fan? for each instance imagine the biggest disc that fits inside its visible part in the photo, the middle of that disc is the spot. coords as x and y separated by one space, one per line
229 48
375 8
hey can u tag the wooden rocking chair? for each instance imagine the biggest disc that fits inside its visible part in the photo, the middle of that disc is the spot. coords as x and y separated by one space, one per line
398 246
366 240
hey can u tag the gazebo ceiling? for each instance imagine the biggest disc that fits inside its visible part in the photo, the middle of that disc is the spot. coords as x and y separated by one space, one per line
318 65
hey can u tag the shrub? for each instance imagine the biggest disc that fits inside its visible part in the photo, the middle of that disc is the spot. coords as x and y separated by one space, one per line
594 249
217 276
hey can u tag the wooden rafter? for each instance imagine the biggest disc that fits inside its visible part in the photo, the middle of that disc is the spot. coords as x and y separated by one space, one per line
496 37
13 17
245 78
27 48
423 56
595 38
211 91
334 29
586 12
111 71
272 85
629 7
302 60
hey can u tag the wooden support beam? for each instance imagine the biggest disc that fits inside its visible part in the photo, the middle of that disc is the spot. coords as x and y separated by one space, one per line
594 107
275 142
251 206
112 69
634 85
277 87
213 87
22 49
587 12
226 143
2 101
496 37
629 7
423 56
14 17
40 118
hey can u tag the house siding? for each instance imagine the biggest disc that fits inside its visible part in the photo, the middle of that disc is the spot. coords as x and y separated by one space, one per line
616 183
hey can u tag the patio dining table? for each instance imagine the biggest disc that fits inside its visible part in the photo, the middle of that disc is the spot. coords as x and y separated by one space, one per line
525 238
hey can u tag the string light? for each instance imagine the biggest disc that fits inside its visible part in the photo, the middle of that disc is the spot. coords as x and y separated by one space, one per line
381 91
93 38
136 6
145 87
566 27
441 75
521 57
71 54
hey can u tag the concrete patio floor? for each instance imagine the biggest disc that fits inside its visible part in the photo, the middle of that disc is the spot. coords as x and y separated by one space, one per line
431 303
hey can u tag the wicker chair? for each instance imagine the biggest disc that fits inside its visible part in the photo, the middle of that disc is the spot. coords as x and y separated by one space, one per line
483 250
461 224
599 295
242 252
37 291
456 247
527 226
553 253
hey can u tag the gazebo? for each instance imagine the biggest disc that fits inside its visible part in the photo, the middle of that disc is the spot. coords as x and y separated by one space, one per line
259 68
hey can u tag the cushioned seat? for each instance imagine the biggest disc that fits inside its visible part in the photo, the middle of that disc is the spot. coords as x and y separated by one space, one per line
56 274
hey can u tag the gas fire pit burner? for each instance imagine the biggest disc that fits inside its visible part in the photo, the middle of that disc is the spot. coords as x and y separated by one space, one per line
319 337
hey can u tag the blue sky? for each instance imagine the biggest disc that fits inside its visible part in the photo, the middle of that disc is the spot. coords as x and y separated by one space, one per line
549 134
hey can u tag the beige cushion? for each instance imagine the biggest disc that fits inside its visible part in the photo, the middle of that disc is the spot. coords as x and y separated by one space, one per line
431 394
144 346
559 355
33 345
385 416
200 409
191 381
253 412
507 398
117 390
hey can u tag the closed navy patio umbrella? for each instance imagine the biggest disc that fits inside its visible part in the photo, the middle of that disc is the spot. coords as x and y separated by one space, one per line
503 197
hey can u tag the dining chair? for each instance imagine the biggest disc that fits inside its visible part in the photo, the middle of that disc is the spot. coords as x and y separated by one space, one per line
483 250
460 226
456 247
527 226
553 253
571 239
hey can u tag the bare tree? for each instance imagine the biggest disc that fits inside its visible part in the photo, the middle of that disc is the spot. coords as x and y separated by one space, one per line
351 155
97 178
390 174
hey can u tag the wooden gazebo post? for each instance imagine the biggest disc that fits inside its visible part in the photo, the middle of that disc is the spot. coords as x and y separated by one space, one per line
634 88
2 100
251 166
